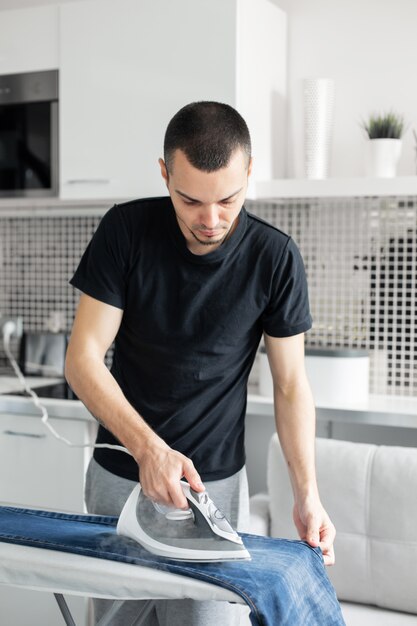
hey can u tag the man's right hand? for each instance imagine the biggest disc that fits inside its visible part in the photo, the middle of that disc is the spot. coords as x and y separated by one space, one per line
161 469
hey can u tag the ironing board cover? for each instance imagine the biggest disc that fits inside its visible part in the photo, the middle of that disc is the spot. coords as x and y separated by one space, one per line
285 583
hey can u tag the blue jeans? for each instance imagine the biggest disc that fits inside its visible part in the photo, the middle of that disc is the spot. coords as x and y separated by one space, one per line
285 583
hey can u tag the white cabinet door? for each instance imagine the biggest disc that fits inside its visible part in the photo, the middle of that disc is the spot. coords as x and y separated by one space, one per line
126 68
29 39
36 469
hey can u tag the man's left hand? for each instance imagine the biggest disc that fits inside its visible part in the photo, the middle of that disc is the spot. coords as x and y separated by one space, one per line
315 527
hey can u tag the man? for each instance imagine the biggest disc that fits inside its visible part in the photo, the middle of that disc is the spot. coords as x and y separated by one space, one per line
186 286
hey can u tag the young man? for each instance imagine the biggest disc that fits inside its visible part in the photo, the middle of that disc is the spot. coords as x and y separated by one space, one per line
186 285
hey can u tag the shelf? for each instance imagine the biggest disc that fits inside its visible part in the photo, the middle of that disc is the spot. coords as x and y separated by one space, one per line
336 187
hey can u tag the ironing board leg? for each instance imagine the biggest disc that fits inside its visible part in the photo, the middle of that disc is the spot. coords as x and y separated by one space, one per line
66 613
117 604
107 617
147 608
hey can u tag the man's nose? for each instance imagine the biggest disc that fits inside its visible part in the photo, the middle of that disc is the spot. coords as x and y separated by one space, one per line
210 216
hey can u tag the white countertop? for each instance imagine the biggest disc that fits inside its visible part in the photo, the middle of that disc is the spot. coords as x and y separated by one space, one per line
12 383
23 405
374 403
398 411
378 410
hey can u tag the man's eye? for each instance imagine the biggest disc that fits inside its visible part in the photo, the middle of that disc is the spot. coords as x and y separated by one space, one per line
190 202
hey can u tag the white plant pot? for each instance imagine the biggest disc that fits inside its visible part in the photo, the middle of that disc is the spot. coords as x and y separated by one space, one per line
382 158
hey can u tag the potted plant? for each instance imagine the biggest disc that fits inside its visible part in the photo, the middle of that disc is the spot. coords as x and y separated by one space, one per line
385 141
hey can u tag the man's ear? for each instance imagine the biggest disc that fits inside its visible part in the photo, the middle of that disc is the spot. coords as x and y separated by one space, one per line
164 171
250 166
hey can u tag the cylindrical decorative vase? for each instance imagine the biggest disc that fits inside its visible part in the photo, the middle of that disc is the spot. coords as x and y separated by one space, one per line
383 156
318 126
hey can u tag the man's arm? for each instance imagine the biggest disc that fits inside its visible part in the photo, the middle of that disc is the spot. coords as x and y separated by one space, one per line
95 326
295 422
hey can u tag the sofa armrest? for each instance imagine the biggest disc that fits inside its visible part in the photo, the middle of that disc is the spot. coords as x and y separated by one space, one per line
260 520
369 493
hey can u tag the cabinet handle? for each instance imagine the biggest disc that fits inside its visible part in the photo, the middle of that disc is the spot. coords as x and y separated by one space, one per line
88 181
15 433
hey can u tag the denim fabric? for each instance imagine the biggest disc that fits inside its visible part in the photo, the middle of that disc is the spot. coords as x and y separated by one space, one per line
285 583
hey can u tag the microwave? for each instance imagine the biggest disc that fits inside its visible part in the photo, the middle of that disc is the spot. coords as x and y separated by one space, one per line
29 134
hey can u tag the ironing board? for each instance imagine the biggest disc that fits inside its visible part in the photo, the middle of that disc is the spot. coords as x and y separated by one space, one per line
62 573
284 582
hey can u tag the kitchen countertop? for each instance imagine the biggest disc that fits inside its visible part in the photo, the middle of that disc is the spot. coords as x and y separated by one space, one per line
394 411
377 410
12 383
21 405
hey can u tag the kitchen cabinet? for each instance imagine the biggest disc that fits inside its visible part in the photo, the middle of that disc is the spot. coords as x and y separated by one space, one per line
126 67
38 471
29 39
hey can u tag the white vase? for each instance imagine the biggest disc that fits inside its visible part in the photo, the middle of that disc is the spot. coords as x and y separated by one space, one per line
318 126
382 157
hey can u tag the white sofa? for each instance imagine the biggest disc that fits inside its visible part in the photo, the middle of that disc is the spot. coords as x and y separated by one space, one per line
370 493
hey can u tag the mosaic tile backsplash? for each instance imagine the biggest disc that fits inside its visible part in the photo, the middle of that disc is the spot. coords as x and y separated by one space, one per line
361 263
360 257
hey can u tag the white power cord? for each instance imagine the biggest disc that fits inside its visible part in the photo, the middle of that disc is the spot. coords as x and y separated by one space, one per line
8 329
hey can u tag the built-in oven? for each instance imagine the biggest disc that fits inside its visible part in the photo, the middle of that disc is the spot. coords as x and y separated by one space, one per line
29 134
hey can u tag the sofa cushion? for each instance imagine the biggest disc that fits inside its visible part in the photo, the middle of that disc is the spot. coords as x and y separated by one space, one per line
370 493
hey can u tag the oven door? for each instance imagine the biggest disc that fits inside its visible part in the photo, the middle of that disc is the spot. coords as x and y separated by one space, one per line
29 134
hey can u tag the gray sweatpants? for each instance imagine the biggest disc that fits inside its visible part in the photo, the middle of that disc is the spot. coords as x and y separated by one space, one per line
106 493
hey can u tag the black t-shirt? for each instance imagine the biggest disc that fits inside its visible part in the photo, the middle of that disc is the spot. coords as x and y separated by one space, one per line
191 325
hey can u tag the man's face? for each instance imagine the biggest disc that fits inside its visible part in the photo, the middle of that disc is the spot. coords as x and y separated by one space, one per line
207 204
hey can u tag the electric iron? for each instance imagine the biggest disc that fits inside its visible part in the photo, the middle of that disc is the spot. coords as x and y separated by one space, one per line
199 533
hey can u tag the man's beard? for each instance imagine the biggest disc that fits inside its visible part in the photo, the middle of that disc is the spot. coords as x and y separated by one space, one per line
210 242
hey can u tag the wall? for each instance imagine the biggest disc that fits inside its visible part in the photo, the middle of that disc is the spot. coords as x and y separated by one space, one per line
369 49
21 4
262 83
359 253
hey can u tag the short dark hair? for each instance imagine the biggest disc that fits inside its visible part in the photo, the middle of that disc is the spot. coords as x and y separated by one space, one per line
208 133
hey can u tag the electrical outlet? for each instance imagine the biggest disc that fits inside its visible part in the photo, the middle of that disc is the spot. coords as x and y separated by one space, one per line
18 325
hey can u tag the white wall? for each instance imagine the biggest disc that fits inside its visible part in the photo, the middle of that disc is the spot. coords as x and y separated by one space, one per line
370 50
262 83
20 4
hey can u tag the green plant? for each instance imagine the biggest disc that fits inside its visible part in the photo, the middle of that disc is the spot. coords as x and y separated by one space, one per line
384 126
